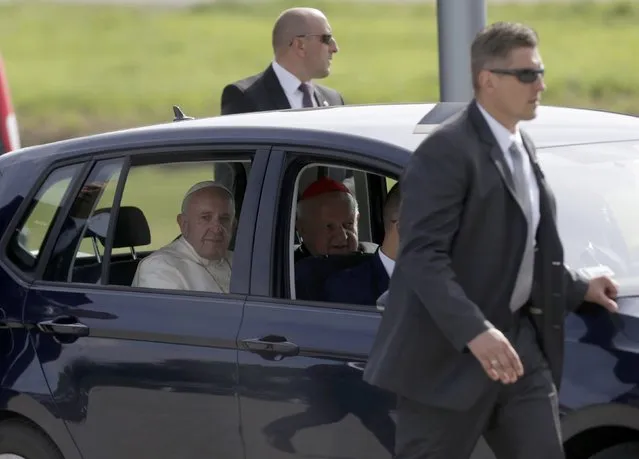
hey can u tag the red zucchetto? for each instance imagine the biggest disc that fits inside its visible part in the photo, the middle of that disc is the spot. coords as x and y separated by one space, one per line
322 186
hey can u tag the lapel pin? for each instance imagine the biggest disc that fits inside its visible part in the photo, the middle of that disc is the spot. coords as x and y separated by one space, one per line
325 103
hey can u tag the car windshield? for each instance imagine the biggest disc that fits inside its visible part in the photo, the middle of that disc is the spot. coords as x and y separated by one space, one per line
597 191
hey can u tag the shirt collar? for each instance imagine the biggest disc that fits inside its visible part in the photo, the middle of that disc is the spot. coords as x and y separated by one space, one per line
504 137
289 82
388 263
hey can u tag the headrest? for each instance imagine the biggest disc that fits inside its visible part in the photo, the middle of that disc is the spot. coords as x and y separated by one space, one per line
131 229
322 186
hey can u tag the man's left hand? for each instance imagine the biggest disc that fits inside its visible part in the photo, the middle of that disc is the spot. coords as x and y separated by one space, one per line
603 291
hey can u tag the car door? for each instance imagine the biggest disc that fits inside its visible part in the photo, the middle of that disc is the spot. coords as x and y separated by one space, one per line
141 372
301 363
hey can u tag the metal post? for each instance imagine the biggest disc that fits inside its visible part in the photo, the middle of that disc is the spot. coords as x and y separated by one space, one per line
458 21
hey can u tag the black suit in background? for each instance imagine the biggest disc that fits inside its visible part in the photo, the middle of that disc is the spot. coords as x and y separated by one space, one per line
462 234
362 284
264 92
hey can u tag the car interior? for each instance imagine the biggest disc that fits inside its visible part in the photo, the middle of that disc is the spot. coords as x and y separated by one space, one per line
369 189
131 230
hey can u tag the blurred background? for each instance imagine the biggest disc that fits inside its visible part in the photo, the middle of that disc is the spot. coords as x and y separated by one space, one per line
79 67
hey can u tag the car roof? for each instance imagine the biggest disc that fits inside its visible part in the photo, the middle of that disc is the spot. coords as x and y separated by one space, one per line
404 125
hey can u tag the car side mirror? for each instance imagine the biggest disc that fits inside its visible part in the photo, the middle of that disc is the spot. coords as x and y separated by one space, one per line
381 301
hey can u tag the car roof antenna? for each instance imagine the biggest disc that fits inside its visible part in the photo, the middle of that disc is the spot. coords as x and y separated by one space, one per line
179 114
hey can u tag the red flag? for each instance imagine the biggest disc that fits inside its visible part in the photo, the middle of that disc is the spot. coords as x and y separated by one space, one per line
9 136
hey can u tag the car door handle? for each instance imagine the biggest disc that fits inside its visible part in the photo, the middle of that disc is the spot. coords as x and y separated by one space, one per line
64 325
271 344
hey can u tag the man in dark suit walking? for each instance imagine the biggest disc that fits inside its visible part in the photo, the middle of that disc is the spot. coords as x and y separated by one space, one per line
364 283
471 340
304 45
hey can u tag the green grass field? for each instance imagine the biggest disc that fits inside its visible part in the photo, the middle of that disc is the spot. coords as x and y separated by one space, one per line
76 69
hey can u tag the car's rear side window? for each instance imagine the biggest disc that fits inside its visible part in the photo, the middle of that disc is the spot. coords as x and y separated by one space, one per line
35 225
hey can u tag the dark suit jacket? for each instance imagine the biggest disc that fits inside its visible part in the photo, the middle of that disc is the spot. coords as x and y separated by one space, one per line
462 236
361 284
302 251
311 272
263 92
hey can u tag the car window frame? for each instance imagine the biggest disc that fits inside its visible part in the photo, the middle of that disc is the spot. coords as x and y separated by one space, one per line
125 165
273 250
85 166
240 284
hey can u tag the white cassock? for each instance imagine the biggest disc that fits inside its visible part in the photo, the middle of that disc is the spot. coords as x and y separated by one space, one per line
178 266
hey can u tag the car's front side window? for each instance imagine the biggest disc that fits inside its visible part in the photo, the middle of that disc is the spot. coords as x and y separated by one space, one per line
32 232
79 249
597 193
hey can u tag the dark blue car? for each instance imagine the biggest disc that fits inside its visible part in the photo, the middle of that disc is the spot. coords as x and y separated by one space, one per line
94 368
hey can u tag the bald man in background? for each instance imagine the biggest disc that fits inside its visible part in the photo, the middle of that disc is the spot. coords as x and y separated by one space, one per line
303 45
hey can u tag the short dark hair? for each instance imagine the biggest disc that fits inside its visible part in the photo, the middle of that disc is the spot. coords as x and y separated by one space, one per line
391 206
496 42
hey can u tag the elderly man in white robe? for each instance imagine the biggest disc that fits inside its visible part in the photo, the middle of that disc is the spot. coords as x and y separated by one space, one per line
199 259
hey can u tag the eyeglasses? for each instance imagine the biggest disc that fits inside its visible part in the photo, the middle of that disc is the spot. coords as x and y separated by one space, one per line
526 76
326 38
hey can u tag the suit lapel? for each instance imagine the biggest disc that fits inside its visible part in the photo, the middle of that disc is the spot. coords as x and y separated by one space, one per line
544 191
547 237
546 208
532 156
319 97
494 150
500 163
274 90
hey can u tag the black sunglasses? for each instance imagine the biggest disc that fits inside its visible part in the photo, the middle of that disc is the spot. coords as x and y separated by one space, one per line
325 38
526 76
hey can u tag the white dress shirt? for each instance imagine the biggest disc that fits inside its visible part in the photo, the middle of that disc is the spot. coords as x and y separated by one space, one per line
388 263
291 86
505 138
177 266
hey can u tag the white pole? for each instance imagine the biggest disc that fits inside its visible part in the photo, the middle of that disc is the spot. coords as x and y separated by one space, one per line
458 21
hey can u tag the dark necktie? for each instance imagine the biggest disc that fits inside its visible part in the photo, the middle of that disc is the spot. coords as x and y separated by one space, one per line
523 284
307 102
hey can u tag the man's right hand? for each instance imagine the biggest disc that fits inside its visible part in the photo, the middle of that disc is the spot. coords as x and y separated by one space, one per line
495 353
